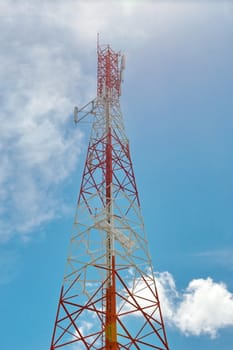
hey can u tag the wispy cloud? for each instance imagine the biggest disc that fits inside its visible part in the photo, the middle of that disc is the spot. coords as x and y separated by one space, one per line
44 72
39 148
222 257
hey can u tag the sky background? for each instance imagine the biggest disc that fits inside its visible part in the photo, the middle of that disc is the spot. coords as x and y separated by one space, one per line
177 105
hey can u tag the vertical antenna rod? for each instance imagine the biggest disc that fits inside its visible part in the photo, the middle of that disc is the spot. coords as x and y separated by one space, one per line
106 68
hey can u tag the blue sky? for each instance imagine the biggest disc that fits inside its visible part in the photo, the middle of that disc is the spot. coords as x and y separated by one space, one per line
177 105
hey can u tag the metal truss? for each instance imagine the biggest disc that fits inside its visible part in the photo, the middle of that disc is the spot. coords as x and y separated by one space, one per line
108 297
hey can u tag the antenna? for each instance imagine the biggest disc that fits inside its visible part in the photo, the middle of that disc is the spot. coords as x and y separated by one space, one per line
122 67
75 114
108 299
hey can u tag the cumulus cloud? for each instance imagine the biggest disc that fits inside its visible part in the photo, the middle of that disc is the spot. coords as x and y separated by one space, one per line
204 307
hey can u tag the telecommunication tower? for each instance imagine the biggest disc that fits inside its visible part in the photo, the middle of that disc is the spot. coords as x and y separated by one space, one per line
108 299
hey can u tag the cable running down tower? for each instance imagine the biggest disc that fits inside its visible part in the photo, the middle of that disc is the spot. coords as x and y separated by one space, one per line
108 299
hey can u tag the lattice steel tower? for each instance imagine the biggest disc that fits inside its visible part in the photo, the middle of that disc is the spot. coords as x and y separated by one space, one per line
108 297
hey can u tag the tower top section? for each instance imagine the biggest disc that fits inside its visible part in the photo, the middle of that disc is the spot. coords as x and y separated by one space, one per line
111 65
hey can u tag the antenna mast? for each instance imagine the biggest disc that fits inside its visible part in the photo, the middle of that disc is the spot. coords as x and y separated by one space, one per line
108 299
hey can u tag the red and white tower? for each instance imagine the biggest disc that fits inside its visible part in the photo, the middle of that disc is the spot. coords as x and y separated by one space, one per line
108 297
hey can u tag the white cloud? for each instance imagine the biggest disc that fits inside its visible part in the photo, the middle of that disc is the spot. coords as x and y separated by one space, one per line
47 49
41 81
204 307
167 293
36 140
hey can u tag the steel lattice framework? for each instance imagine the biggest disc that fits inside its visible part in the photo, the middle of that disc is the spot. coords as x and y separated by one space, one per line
108 298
